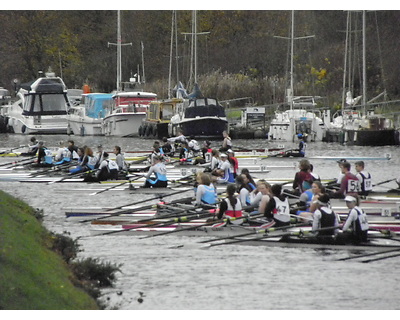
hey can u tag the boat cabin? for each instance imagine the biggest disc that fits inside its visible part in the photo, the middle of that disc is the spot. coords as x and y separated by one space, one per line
45 96
134 101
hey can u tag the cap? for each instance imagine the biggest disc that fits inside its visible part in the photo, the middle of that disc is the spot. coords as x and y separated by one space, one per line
230 151
322 200
300 135
341 161
99 146
350 199
223 155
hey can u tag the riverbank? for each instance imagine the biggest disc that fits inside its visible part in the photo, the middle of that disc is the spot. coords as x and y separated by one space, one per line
33 275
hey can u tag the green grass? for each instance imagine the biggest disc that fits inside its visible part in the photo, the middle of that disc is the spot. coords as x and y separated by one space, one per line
33 277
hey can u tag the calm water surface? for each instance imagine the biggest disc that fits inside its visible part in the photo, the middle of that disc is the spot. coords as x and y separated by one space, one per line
234 277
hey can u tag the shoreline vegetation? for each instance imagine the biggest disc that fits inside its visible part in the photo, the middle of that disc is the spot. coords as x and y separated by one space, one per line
39 269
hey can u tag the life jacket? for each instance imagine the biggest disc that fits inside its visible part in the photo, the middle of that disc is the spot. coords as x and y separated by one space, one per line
366 183
210 196
281 211
235 212
327 221
361 224
310 195
48 156
91 162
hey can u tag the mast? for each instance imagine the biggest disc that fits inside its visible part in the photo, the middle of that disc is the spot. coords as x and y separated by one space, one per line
291 62
119 56
292 38
345 62
194 34
364 64
119 51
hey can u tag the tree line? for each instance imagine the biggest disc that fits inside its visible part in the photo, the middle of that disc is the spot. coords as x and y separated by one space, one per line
243 53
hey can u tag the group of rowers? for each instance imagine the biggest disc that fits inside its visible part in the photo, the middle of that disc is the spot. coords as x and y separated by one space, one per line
245 195
312 207
77 160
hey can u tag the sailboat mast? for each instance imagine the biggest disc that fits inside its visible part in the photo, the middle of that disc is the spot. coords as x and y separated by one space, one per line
364 63
291 61
119 56
345 61
195 44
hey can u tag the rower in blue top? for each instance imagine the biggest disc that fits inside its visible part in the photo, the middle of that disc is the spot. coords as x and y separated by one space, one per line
160 172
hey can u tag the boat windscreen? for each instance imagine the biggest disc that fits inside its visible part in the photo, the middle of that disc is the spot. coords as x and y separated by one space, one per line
45 104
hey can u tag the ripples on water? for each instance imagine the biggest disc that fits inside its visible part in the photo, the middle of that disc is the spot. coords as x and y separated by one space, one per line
222 277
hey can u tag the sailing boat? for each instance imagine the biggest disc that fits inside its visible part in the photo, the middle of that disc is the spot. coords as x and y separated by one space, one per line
300 118
355 126
129 107
197 115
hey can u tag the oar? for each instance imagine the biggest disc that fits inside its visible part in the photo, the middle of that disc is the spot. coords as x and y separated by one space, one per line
72 175
12 149
381 258
137 209
383 182
54 168
16 163
298 233
177 219
214 222
260 231
369 254
117 185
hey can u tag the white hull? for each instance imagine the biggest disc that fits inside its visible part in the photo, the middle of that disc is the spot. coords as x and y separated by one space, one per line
123 124
287 125
85 126
56 124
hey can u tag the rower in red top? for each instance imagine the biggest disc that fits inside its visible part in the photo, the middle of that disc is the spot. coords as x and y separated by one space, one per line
303 178
231 206
350 185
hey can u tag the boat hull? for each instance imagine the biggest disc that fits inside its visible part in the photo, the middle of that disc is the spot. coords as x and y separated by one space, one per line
371 137
20 124
86 126
123 124
203 126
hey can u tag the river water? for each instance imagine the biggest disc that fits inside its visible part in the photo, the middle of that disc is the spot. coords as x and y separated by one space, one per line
234 277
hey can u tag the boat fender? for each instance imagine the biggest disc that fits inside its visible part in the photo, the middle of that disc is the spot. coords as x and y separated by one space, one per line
140 131
23 128
148 131
155 131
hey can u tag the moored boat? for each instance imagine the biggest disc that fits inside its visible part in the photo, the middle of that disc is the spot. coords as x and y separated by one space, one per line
87 117
128 111
41 107
198 116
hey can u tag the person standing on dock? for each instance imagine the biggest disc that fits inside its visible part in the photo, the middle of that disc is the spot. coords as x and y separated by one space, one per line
356 226
364 177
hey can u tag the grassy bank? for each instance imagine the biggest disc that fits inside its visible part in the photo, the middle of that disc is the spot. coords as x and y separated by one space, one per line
32 276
